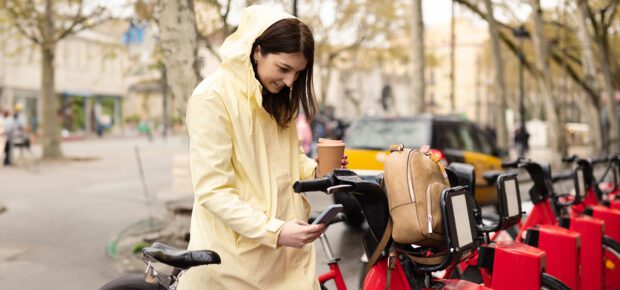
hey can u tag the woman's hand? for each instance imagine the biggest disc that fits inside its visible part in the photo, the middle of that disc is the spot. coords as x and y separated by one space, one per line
296 233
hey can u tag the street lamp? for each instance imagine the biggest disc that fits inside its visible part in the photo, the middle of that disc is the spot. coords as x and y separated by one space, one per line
521 33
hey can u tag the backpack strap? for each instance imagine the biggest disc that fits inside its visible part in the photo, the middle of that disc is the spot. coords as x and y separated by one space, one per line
382 243
426 149
391 264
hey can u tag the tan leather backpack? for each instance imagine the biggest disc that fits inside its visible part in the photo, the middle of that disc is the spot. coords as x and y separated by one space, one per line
414 180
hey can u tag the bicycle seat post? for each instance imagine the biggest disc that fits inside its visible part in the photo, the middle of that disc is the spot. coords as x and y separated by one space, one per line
327 249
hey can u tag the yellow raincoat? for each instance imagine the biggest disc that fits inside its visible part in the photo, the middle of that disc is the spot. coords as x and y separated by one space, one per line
243 166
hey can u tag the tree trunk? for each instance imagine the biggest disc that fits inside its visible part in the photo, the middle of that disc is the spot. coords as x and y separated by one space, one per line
611 102
452 60
417 45
326 77
555 126
500 85
179 44
50 132
589 75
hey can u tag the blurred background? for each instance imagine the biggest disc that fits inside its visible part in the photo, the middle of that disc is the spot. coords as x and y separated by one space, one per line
93 96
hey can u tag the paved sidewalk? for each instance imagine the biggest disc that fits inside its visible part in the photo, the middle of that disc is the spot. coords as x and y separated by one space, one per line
60 217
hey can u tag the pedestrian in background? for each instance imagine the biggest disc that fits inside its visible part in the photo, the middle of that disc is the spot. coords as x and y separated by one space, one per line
3 136
521 141
21 134
305 134
7 125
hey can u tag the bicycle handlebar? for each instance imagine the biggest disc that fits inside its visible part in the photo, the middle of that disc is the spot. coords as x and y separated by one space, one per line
319 184
562 176
595 160
511 164
599 160
570 159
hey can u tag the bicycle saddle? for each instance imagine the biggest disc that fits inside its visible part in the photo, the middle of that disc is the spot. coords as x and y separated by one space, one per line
491 176
463 175
180 258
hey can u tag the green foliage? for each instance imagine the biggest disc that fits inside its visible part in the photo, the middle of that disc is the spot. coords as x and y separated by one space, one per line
135 118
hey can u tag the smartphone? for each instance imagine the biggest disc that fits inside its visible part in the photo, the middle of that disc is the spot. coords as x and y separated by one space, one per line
328 214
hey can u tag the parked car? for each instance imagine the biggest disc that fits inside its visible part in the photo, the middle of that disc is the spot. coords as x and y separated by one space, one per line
452 139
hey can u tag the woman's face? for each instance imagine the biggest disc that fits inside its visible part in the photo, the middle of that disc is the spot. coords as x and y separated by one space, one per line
277 70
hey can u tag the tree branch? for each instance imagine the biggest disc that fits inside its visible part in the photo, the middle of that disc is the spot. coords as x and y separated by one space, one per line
473 7
79 22
225 18
576 78
614 9
78 18
591 16
552 52
17 16
210 47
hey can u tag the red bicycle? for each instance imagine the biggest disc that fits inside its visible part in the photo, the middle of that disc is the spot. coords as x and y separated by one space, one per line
506 264
411 267
578 252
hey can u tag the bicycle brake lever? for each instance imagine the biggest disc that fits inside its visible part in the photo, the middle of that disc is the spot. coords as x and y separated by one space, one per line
339 188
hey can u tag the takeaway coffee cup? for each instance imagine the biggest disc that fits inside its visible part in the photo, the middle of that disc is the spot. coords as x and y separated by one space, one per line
330 155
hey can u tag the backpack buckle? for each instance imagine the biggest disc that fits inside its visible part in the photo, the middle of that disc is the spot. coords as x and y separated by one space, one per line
397 147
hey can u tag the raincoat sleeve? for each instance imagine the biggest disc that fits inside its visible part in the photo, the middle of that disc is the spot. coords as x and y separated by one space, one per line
307 165
213 178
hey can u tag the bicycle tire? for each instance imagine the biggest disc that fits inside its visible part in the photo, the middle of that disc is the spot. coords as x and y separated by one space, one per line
131 282
611 260
552 283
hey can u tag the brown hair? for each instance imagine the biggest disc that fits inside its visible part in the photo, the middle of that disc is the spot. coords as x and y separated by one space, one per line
289 36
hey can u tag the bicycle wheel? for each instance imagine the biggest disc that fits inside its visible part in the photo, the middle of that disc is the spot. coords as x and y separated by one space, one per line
611 261
552 283
131 282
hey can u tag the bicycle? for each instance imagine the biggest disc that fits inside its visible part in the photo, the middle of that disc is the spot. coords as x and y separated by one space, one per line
152 254
489 263
549 227
610 184
410 267
593 207
334 273
179 260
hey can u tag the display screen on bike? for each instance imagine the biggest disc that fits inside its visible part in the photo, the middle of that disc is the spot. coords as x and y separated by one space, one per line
461 220
580 186
512 199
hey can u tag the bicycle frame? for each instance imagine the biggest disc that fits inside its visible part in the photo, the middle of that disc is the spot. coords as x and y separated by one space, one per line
334 272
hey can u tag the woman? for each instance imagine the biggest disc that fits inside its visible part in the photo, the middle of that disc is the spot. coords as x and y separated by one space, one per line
245 156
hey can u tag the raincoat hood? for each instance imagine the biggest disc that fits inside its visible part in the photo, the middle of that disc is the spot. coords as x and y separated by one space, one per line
237 47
